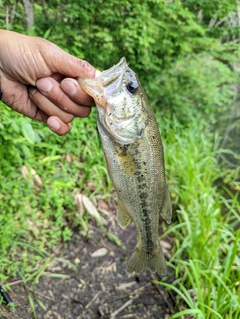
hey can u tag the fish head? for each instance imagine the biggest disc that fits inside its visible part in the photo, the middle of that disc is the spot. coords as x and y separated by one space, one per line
119 98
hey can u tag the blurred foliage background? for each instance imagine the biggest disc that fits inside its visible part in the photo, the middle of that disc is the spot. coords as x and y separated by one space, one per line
186 54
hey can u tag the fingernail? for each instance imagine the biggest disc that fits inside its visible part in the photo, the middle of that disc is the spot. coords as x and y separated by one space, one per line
44 85
97 73
32 90
53 124
69 87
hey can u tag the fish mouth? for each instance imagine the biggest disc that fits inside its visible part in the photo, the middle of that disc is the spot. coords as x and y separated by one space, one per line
106 84
114 73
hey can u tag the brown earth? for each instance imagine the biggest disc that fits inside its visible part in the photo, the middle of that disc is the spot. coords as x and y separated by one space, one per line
100 288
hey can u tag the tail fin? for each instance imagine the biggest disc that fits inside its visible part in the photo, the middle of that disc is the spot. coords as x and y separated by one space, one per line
142 260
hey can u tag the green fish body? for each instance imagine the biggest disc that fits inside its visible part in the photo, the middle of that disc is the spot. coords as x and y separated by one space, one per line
135 160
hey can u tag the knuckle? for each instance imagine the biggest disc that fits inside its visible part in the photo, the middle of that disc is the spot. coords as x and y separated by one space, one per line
68 117
84 64
61 100
86 67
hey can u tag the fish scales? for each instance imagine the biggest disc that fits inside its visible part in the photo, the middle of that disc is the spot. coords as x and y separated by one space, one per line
135 160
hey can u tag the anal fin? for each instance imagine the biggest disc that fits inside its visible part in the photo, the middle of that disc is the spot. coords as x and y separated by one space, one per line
166 211
123 218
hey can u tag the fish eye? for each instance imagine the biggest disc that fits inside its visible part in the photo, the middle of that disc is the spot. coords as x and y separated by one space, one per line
132 87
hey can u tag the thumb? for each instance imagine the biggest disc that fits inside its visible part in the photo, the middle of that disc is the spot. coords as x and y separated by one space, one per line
70 66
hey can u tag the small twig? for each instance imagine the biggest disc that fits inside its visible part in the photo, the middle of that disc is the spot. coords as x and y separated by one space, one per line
134 292
172 296
131 316
4 314
129 302
126 285
163 296
93 299
15 282
40 294
137 291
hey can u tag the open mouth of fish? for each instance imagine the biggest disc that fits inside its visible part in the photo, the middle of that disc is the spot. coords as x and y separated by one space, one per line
107 83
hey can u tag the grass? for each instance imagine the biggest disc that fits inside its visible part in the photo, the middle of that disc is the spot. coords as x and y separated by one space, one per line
42 173
40 176
206 259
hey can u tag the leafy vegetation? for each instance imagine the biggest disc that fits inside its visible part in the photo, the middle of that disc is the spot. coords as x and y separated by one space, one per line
206 235
38 182
186 56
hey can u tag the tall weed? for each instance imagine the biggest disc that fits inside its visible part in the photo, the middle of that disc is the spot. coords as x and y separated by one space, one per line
40 173
206 234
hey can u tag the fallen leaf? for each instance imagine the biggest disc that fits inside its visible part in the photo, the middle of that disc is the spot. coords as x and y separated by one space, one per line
91 209
99 253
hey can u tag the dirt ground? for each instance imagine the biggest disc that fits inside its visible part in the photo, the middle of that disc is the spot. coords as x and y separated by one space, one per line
100 288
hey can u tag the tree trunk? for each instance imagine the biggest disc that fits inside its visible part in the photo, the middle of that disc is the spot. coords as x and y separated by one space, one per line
29 13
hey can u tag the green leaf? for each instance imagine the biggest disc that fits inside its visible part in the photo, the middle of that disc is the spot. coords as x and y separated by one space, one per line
28 132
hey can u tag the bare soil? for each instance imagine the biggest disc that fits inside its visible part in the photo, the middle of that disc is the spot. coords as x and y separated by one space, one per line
101 286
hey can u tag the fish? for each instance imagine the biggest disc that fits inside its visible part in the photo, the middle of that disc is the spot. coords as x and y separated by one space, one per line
134 157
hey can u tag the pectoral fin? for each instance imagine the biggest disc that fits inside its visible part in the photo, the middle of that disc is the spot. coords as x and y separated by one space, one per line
166 211
123 218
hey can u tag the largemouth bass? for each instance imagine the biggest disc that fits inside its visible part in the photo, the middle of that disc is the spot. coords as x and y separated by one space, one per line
135 161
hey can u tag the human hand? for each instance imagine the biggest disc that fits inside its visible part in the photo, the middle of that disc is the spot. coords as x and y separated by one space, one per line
37 80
